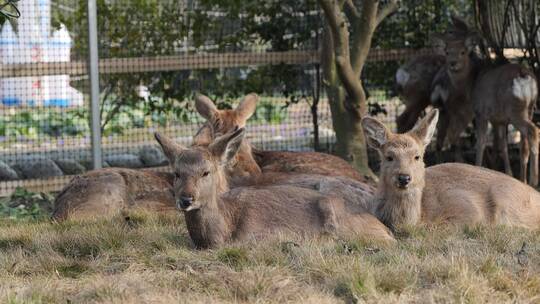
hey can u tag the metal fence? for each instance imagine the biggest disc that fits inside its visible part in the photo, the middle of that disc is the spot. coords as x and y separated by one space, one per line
151 57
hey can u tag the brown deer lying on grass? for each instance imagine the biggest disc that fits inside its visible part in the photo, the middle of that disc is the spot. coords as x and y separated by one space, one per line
216 214
454 193
105 192
224 121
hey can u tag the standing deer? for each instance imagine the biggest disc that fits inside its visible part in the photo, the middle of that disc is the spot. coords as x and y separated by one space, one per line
216 214
408 193
449 93
414 79
504 94
413 84
507 95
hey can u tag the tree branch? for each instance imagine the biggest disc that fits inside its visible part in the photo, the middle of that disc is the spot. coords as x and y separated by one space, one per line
362 34
352 8
331 14
386 11
340 39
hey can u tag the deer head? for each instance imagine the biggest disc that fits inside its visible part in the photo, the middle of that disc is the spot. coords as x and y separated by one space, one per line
224 121
402 165
200 170
458 44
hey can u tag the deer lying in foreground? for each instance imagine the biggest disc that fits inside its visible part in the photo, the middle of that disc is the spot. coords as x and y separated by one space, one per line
453 193
224 121
106 192
216 214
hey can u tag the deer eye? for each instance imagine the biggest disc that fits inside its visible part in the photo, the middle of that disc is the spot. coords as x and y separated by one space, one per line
389 158
176 175
417 157
205 173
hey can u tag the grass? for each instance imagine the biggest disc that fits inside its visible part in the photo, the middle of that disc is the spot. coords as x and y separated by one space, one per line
148 258
141 258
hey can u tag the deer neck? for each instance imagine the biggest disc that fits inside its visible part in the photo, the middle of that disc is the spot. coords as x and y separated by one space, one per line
210 225
465 80
246 169
399 207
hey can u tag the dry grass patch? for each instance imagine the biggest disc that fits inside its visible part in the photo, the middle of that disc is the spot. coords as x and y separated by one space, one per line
149 258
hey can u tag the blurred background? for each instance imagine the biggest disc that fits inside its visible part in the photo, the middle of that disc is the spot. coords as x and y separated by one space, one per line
154 55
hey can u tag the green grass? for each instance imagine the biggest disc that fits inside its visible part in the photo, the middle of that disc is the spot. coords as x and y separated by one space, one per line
148 258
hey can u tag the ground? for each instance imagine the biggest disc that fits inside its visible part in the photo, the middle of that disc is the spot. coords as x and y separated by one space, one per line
142 258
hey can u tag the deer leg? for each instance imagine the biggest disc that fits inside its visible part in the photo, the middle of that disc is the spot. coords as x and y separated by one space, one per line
481 136
407 119
455 140
442 129
455 128
500 138
532 137
524 151
458 153
328 215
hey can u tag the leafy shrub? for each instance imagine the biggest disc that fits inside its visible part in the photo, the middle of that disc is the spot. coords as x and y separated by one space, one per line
23 204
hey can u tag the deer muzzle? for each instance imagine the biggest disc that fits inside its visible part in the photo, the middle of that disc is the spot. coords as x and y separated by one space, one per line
184 202
403 180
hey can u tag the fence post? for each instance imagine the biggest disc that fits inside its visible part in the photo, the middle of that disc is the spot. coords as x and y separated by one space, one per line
95 119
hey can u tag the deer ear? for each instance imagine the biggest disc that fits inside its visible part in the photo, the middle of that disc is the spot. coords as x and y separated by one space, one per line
438 44
247 107
206 107
460 24
170 148
375 132
225 147
425 128
204 136
473 43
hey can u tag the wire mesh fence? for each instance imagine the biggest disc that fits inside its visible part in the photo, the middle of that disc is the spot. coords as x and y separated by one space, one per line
153 57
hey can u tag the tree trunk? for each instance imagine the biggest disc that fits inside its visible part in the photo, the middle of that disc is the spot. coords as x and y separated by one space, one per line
343 55
350 142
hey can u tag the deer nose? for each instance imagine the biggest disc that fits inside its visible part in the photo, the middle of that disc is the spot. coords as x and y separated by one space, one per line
404 180
184 201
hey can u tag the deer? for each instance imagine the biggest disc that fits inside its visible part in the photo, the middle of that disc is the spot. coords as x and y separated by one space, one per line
216 214
414 80
303 169
450 193
106 192
449 94
224 121
413 84
109 191
498 94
